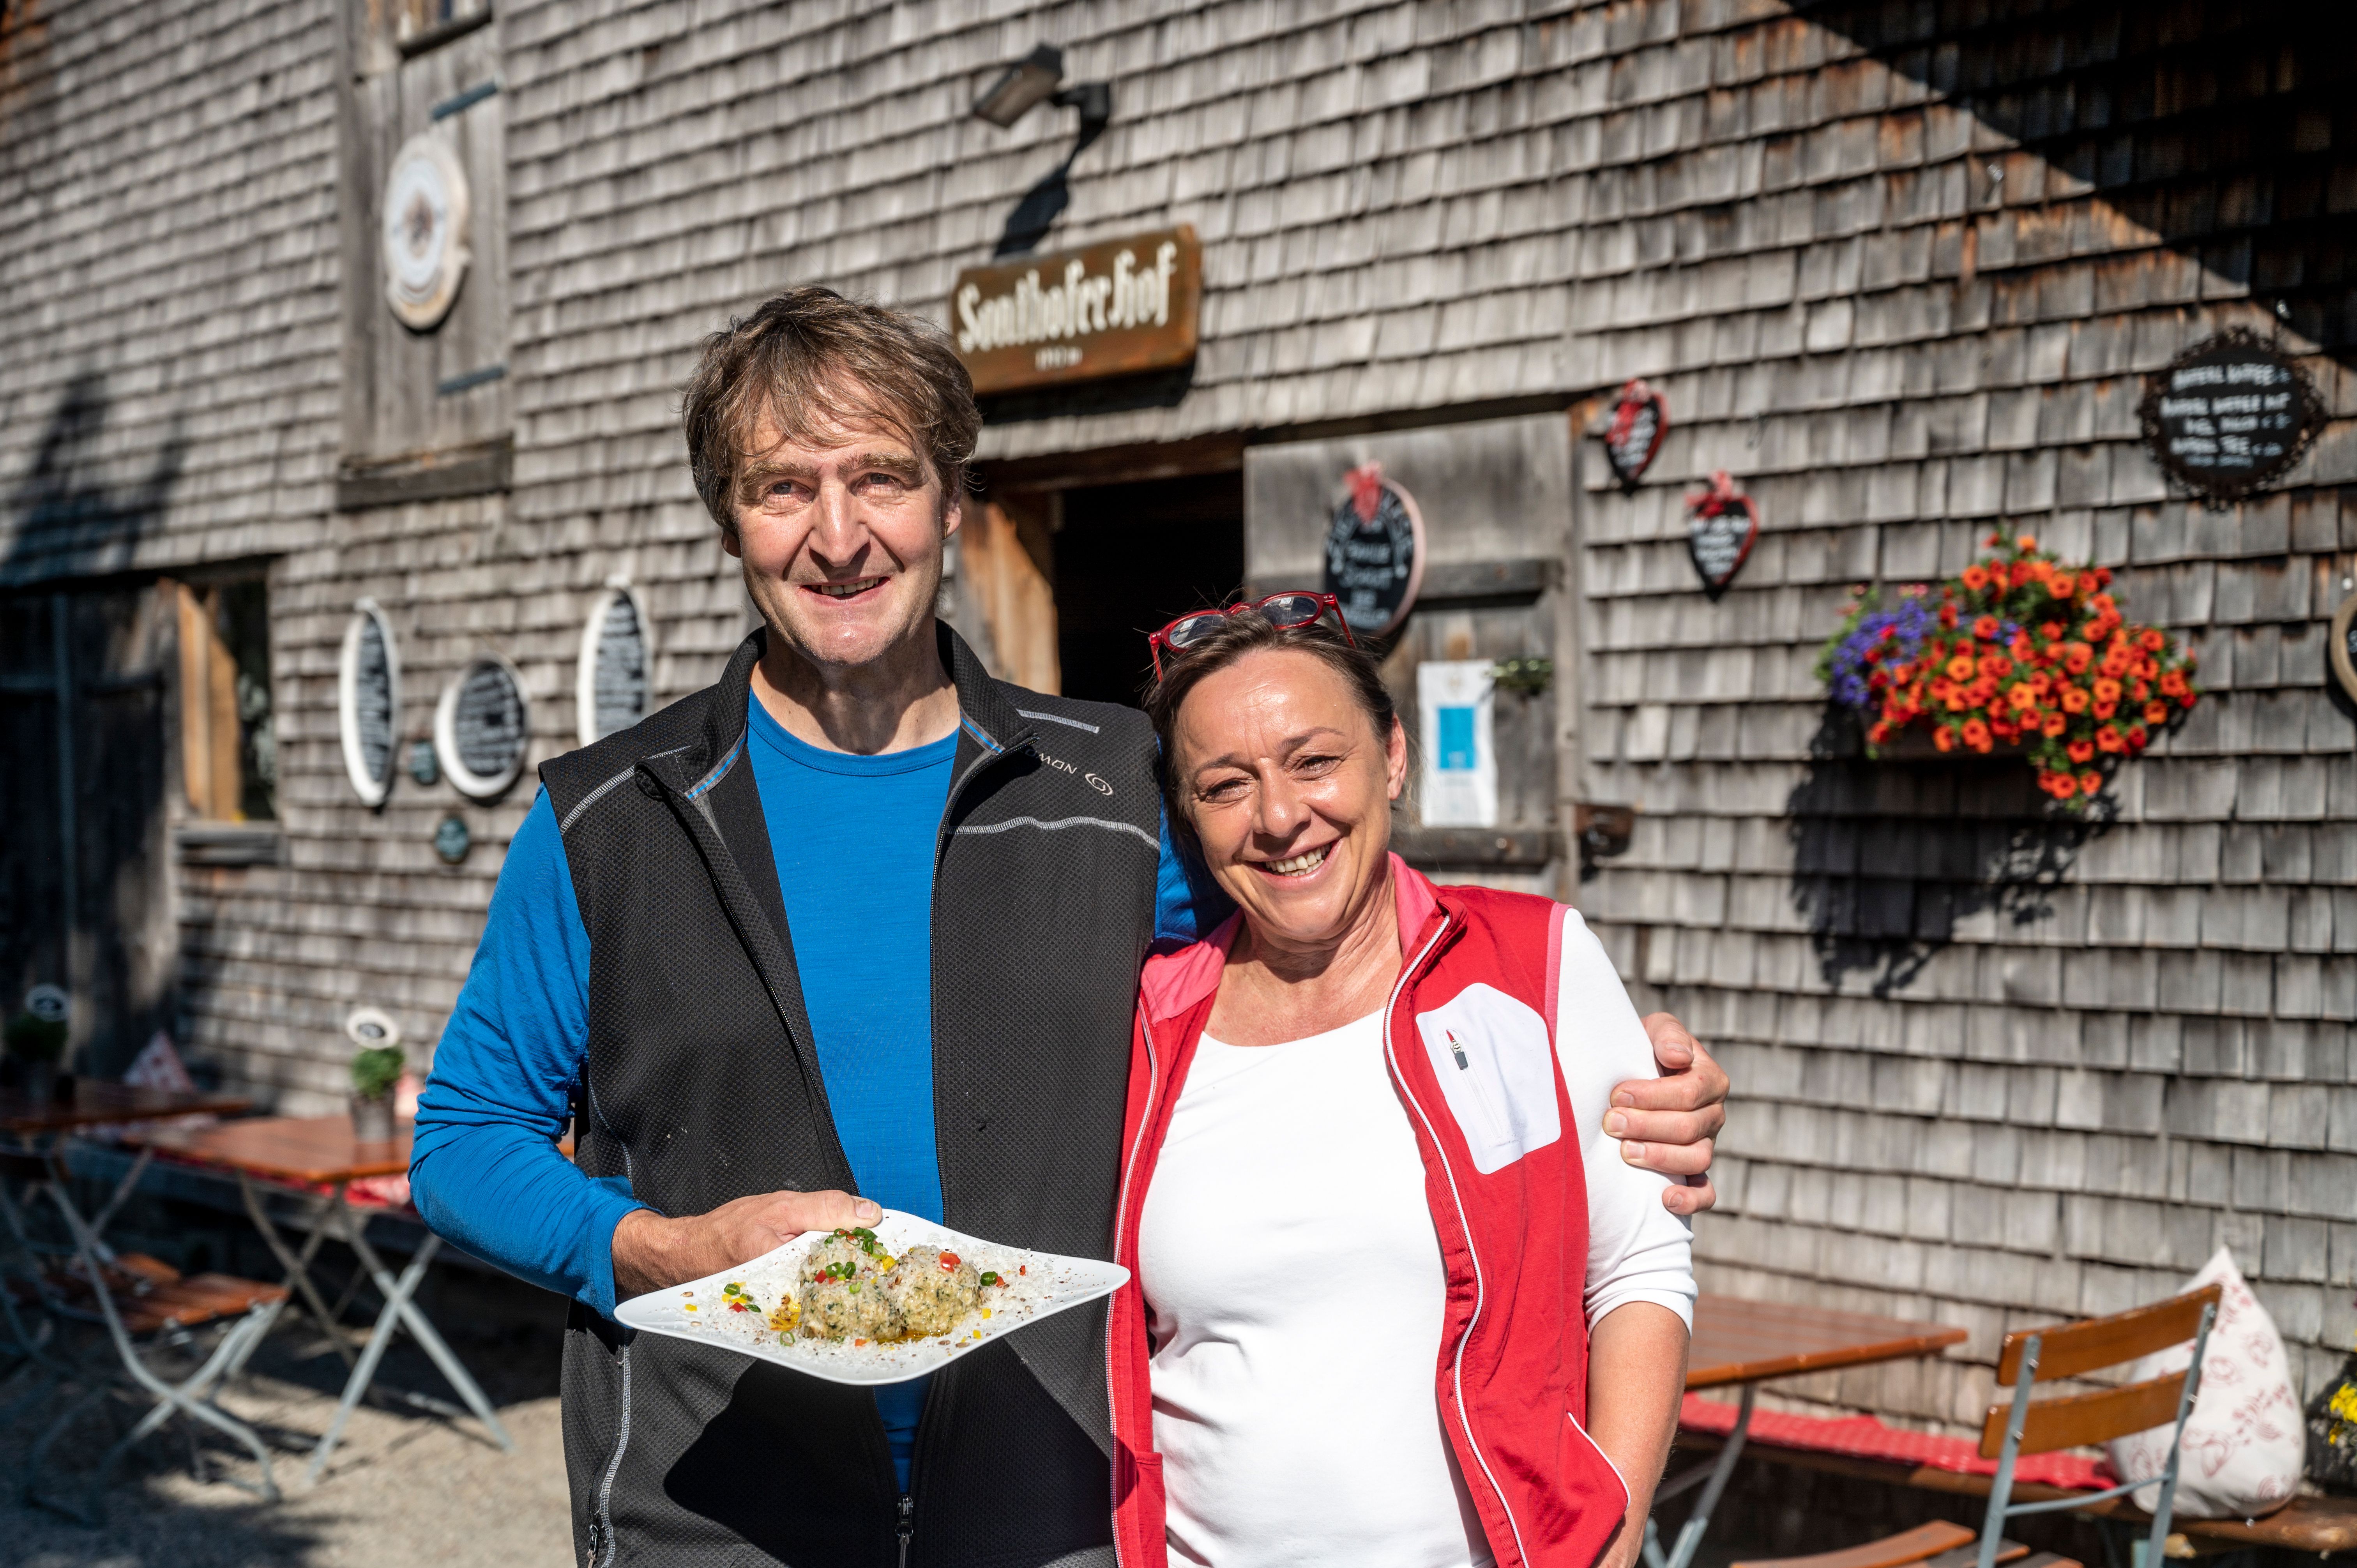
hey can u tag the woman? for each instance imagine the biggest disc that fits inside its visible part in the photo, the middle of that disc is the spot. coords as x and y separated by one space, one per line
1396 1302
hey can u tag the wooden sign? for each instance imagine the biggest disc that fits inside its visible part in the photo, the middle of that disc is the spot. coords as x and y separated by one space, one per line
481 726
368 702
424 231
1374 552
612 679
1722 526
1113 309
2228 416
1641 419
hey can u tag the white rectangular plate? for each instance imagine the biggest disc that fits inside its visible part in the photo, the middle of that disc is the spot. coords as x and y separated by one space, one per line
1041 1283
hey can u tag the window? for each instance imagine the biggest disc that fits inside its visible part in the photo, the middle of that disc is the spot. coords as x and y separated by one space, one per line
229 749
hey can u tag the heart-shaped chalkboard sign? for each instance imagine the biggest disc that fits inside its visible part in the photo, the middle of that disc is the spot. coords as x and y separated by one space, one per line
1722 526
1640 421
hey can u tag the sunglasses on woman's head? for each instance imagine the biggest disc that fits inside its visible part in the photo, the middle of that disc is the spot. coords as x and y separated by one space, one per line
1298 607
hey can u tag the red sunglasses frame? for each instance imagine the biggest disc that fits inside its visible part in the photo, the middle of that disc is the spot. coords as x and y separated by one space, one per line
1157 642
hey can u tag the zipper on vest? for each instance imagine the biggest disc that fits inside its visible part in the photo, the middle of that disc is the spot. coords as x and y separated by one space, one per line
908 1525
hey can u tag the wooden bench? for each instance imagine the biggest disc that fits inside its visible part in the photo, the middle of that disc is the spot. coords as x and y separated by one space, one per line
2323 1525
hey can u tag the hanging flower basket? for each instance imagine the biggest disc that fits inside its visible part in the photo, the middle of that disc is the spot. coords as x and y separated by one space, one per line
2018 652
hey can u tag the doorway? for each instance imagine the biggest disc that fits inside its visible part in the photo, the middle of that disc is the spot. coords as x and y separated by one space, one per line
1132 558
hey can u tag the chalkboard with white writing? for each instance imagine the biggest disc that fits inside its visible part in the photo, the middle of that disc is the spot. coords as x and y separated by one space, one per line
481 726
368 702
1374 552
2228 416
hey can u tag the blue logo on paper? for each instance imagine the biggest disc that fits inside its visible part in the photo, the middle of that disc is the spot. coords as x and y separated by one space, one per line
1457 740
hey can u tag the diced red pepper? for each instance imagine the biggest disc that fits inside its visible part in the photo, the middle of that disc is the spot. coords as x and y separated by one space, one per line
949 1261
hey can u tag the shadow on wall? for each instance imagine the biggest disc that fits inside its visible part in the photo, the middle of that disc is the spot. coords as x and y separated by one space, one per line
2219 128
1890 858
71 534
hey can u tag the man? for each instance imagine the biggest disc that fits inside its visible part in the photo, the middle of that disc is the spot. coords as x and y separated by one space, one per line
856 919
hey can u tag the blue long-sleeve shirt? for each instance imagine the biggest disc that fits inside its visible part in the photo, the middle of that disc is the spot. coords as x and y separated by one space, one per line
484 1169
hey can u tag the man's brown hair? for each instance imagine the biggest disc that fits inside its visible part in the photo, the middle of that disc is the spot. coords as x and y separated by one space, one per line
809 357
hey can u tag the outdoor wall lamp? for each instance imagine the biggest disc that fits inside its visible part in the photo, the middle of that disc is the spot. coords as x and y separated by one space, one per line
1022 86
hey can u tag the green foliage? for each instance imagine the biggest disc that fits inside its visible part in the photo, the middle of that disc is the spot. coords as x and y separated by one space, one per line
376 1070
1528 675
35 1039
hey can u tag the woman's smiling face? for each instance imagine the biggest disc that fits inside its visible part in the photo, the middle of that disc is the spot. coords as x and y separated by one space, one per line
1289 789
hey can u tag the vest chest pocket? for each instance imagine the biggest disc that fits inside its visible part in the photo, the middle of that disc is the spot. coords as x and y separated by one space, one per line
1496 1068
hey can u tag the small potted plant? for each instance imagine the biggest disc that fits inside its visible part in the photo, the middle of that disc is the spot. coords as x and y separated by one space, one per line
376 1072
2020 653
37 1044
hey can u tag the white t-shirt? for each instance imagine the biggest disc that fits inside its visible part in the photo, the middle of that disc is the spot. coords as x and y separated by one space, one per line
1295 1288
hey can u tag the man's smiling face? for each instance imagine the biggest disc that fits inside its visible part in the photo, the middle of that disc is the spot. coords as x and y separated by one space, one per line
841 533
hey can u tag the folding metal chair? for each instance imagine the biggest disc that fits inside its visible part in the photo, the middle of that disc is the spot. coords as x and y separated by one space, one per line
28 1331
2034 1356
143 1312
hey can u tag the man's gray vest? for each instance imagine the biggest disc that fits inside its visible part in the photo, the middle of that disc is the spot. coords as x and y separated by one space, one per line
703 1085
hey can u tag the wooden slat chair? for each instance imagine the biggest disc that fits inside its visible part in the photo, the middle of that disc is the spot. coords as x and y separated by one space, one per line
2022 1425
144 1309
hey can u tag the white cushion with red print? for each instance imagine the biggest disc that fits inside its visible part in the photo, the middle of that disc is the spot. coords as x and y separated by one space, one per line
2244 1443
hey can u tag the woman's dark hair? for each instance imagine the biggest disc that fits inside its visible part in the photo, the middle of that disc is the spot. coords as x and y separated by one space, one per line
1250 631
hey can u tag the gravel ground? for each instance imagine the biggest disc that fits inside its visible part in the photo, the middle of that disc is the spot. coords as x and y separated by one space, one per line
402 1486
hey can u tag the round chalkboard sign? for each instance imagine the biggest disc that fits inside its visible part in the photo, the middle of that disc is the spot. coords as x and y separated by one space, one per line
368 702
1641 419
2229 414
481 726
1374 552
2342 648
1722 526
617 665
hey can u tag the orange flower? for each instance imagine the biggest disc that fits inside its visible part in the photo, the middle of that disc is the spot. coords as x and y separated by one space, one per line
2063 786
1996 664
1960 668
2109 739
2062 584
1976 735
2107 689
2152 640
2055 724
2074 699
2026 544
2137 737
1879 732
2173 685
2106 710
2081 750
2090 782
1948 616
2022 574
1975 577
2155 714
2103 576
2187 698
1985 629
2076 657
2050 631
1945 738
2023 697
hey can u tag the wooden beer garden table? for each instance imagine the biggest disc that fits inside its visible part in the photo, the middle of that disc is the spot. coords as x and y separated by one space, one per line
318 1158
40 1125
1749 1342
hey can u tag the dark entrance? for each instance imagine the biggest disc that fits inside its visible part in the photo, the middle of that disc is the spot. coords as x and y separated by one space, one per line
1131 558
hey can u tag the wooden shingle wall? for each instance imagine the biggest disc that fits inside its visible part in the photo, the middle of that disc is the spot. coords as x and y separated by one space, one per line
1900 269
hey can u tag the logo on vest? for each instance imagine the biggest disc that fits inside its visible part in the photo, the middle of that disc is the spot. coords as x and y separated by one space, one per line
1072 769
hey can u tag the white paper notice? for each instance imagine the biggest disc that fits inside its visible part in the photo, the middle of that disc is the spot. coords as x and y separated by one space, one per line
1460 766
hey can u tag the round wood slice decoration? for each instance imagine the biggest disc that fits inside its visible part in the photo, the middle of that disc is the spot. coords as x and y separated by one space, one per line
616 667
2229 416
368 702
1641 419
481 727
425 209
1374 552
2342 648
1722 526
